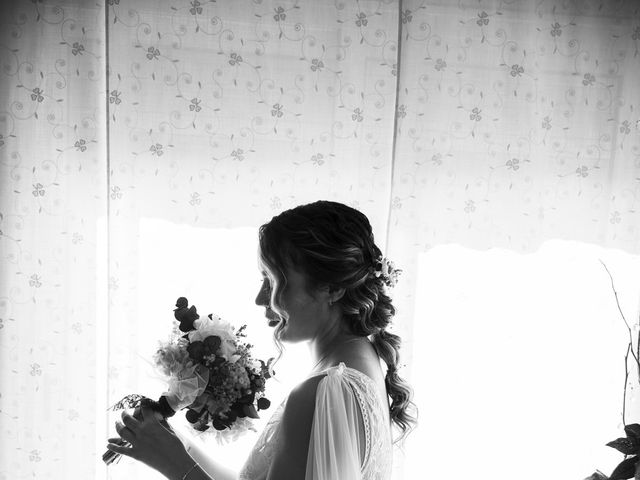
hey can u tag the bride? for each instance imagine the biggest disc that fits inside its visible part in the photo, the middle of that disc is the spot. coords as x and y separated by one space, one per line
324 283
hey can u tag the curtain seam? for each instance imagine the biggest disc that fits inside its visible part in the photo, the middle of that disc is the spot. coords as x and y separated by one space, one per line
108 188
395 128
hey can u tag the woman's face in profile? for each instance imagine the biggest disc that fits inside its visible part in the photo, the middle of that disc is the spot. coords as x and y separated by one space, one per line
302 312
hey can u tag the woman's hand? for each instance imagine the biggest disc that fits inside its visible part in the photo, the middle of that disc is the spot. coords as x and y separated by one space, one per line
152 442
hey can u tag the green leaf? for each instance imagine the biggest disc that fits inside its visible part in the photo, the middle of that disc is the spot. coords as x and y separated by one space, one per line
597 475
625 470
624 445
250 411
632 431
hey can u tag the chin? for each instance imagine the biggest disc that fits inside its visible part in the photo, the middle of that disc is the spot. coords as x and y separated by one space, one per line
288 336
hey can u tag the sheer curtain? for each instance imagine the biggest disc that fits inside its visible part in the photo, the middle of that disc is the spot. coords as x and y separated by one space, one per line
137 133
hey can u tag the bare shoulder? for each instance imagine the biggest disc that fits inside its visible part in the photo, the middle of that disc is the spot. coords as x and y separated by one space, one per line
290 460
364 358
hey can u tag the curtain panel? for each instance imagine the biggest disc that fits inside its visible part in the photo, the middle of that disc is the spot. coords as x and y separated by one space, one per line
479 123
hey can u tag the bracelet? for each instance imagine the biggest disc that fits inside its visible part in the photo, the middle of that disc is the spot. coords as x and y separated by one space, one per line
190 470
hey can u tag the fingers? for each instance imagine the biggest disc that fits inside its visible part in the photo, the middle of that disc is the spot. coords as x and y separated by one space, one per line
121 449
148 413
130 422
124 432
166 425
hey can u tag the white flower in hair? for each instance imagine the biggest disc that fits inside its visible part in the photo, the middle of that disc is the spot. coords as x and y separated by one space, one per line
386 269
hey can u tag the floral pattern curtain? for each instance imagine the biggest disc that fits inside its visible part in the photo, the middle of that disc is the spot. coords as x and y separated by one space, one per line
52 192
481 123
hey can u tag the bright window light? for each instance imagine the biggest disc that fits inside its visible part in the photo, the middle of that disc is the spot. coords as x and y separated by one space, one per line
519 362
217 270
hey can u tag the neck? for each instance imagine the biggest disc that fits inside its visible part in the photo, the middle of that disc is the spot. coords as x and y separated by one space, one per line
324 348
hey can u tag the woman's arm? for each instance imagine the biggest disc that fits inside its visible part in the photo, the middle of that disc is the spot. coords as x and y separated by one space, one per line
154 443
290 459
322 434
209 469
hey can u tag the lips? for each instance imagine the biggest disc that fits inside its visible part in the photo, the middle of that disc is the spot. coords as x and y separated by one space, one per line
272 317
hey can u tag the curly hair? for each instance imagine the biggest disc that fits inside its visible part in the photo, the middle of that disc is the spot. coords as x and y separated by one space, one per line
334 245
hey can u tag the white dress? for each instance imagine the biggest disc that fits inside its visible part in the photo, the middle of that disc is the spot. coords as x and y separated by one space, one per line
347 402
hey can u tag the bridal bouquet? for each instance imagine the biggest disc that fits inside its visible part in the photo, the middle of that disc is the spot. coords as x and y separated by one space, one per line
211 373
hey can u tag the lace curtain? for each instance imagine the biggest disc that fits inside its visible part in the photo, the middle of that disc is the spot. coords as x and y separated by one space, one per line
142 124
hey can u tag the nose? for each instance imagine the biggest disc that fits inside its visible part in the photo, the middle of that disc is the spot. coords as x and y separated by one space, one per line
262 299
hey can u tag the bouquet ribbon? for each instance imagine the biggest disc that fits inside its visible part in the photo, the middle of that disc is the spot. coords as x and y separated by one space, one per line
187 386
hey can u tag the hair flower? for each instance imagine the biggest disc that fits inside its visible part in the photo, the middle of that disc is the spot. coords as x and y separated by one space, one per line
387 271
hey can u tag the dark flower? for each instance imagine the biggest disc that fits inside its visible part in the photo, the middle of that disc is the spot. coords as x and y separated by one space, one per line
406 16
636 34
317 159
212 344
182 302
402 111
357 115
546 123
513 164
475 114
556 31
193 416
186 316
196 351
440 64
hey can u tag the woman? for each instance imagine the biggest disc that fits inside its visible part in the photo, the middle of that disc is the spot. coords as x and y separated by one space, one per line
324 282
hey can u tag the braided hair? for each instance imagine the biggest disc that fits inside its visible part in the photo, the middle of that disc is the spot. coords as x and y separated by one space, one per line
334 245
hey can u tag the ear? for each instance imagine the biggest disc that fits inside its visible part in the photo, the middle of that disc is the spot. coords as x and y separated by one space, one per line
335 294
329 294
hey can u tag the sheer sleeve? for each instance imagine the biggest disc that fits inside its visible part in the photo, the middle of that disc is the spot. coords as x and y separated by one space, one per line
334 445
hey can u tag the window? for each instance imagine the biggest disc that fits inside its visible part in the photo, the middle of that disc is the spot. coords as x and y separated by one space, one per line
518 361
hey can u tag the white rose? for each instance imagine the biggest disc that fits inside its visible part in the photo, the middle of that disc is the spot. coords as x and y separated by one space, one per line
206 327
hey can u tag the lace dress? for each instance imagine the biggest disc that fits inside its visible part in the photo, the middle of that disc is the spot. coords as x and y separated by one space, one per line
347 401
